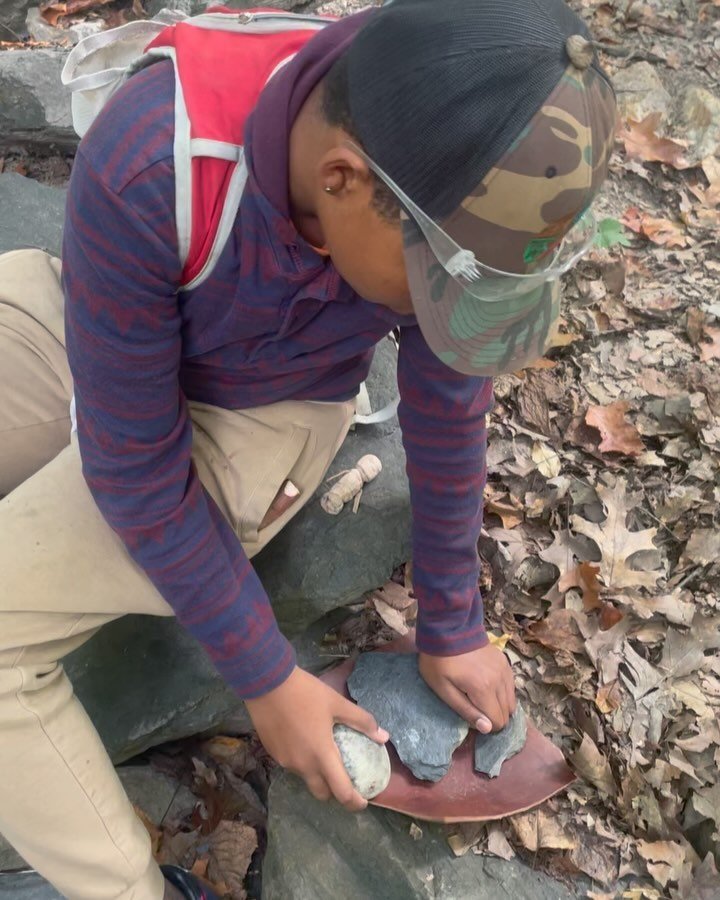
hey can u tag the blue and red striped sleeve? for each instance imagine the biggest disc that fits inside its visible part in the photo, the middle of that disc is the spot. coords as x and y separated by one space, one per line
123 327
442 416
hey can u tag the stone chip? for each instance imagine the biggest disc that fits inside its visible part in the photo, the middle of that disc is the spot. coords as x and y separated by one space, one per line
492 750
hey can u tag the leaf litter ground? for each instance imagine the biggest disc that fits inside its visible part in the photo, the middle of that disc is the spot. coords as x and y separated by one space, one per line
601 552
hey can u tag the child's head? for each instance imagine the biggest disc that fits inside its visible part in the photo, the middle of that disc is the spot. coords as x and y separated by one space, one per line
469 138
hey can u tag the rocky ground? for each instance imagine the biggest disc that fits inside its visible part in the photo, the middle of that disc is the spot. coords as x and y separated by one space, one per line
600 554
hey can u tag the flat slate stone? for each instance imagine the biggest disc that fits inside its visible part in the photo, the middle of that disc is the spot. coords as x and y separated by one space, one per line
33 214
423 729
491 750
319 851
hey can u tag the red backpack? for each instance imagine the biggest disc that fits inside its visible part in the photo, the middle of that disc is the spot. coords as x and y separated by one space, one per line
212 104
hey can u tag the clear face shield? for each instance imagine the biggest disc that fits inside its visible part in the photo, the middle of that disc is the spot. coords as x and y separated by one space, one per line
479 319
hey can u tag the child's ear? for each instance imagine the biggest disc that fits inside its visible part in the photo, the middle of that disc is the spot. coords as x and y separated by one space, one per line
343 173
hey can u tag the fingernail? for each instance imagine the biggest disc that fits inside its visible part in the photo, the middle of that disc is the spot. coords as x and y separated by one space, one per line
383 735
483 724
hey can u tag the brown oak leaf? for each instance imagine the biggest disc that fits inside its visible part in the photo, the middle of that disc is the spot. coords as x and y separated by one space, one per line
642 142
585 577
593 766
660 231
617 544
618 436
232 845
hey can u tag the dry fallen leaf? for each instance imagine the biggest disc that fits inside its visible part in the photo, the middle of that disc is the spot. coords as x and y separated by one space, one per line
590 763
663 232
538 830
391 617
499 641
546 459
617 544
558 631
498 844
618 436
54 10
232 845
465 836
585 577
641 142
665 859
608 697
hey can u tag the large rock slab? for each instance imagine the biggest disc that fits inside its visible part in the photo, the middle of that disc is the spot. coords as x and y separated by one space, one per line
34 106
30 886
33 214
319 851
424 730
144 680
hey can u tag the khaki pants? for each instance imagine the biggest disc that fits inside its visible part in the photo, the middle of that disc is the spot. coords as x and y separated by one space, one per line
64 573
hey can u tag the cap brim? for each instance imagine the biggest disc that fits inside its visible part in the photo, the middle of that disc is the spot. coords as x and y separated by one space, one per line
476 336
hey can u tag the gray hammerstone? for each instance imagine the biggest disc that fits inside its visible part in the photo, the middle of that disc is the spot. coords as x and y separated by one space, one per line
367 763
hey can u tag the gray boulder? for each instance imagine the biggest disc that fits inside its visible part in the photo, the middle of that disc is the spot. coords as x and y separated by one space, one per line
33 214
697 118
640 92
144 680
34 106
318 851
12 18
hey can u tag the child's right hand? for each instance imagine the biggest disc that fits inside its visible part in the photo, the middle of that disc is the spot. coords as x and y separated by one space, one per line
295 723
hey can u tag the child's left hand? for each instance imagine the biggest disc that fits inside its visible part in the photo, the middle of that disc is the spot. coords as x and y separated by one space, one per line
478 685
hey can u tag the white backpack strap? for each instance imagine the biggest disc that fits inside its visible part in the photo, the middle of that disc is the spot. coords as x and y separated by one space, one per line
382 415
363 408
238 179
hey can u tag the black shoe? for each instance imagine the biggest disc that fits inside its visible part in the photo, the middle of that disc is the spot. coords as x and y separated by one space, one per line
187 884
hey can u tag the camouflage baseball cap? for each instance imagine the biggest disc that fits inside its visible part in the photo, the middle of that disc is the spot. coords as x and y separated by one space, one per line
485 277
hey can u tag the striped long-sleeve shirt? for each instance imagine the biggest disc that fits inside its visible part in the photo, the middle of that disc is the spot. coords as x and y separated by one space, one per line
273 322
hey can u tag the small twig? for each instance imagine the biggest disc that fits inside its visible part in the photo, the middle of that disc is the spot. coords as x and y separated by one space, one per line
10 31
690 575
